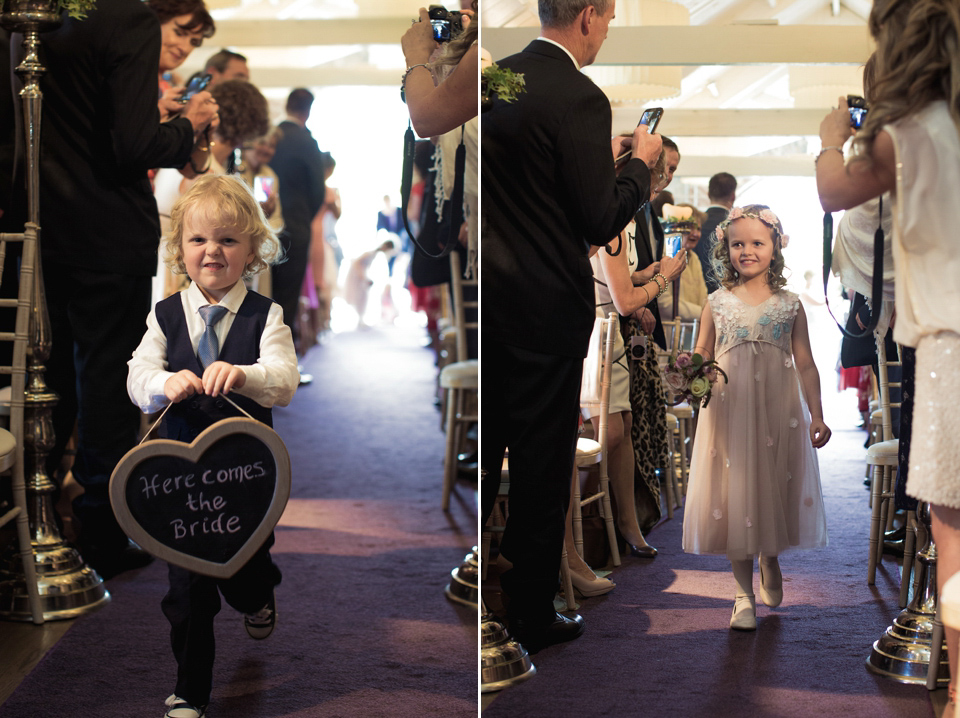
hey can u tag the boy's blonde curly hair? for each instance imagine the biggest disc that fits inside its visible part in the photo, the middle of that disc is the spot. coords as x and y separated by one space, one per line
226 201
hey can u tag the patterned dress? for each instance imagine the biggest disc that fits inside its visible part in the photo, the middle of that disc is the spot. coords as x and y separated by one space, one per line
648 433
754 477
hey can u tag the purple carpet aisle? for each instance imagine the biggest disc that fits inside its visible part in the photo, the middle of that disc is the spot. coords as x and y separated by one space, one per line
660 645
363 626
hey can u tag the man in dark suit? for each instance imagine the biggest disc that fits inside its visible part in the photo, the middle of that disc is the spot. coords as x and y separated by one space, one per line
650 231
300 172
722 193
550 191
100 135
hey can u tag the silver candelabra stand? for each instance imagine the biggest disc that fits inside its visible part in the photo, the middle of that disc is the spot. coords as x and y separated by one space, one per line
67 586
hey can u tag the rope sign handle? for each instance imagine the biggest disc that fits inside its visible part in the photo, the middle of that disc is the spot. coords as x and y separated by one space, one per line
167 408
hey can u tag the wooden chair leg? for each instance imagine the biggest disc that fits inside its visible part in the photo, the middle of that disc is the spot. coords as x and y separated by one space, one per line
885 498
607 508
449 458
577 513
875 483
909 552
567 581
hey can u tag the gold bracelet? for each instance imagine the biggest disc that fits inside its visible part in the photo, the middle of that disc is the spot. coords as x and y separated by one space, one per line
646 293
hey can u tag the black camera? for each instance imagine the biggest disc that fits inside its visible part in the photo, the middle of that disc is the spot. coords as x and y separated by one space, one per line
447 24
638 347
858 110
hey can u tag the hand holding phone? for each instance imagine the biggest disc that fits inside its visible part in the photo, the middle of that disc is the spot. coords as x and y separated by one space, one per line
197 84
650 119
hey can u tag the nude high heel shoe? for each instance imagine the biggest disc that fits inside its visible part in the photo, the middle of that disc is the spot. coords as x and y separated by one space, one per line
591 587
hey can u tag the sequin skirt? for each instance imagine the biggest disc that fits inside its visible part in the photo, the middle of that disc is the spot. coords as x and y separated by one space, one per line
934 473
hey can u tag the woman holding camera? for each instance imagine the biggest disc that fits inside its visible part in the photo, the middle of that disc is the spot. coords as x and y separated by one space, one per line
909 145
436 108
614 269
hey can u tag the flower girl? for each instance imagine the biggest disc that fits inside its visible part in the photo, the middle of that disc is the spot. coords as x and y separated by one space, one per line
755 482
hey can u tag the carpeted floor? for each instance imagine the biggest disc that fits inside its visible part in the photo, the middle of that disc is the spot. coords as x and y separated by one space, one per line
660 643
364 628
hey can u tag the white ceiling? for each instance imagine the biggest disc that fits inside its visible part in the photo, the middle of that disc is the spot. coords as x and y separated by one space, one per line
733 58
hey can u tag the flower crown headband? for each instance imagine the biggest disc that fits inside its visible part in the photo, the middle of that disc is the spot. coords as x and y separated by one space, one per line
764 215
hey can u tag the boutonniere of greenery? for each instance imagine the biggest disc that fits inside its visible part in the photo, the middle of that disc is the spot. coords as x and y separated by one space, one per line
77 9
499 82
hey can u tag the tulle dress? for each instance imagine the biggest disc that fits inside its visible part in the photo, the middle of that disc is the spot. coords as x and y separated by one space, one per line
754 478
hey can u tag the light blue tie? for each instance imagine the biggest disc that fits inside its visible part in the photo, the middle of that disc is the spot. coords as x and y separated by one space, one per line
209 347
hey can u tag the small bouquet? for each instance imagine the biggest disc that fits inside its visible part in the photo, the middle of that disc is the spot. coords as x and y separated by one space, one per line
690 378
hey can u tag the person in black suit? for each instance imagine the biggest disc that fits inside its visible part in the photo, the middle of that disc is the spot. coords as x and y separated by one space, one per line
299 165
550 191
101 133
722 193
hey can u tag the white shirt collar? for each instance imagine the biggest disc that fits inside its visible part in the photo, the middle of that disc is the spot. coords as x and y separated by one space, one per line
232 301
569 54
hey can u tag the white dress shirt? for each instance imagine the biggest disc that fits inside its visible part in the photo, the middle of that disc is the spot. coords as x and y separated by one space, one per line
273 380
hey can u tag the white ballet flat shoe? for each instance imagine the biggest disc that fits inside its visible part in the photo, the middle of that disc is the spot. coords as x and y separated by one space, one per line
744 616
771 583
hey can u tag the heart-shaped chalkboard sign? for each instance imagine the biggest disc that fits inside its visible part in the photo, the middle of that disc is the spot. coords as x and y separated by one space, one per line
209 505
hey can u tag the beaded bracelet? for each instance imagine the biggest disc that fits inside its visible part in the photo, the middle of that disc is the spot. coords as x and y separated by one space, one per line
662 288
827 149
403 80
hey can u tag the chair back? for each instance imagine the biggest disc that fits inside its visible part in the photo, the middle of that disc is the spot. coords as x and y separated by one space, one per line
610 325
19 337
461 305
884 385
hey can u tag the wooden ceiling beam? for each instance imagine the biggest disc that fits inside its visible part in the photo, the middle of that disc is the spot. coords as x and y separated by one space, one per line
711 45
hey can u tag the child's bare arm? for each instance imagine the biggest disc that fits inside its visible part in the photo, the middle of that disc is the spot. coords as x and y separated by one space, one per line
809 379
707 334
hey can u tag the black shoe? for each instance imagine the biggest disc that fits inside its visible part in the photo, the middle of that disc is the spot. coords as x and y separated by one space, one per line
642 551
538 636
259 625
109 562
893 548
897 534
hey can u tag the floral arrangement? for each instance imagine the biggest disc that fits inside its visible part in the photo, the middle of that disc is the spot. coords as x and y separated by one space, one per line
764 215
677 219
690 378
500 82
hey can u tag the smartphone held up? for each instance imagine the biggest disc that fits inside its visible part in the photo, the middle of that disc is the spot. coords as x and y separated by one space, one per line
650 118
197 84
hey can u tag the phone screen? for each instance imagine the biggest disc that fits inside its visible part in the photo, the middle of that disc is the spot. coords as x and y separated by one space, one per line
262 188
195 85
651 118
857 116
672 244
